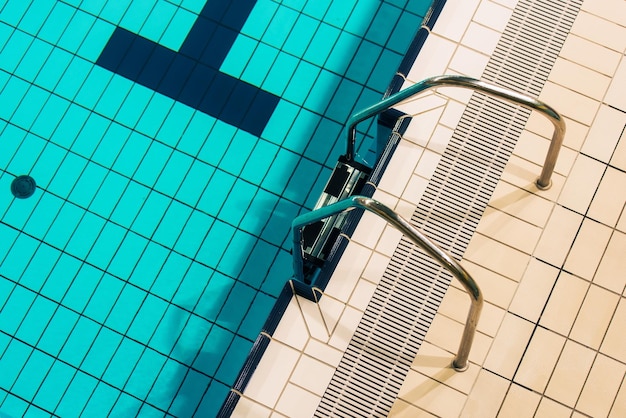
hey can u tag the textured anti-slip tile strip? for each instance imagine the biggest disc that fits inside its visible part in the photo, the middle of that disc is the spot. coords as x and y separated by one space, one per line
404 304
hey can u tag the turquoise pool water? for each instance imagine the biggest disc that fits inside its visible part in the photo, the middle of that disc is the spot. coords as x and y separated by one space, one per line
138 275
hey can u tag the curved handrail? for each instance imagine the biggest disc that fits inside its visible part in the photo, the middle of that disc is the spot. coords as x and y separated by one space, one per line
460 362
543 182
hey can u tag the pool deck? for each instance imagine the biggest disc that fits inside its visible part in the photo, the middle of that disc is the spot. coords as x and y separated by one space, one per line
550 341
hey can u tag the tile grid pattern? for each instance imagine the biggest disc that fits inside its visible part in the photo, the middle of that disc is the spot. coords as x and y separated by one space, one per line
100 302
448 213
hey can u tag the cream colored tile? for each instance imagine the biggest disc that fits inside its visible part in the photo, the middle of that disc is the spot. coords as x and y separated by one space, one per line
440 139
522 204
481 38
297 402
570 373
487 396
348 272
403 409
427 394
587 250
345 328
318 321
509 230
591 55
415 189
455 18
456 304
534 289
580 79
376 267
610 274
594 317
552 409
323 352
614 344
433 59
469 62
497 289
493 15
613 10
508 346
564 303
452 114
427 164
612 35
507 3
619 156
497 257
312 374
434 362
621 224
292 328
570 103
558 236
610 198
533 147
619 406
400 168
519 402
369 230
540 359
575 132
581 184
362 294
389 240
248 408
523 174
615 95
601 387
604 133
272 374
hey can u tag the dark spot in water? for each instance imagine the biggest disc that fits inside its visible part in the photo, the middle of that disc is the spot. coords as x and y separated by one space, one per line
23 187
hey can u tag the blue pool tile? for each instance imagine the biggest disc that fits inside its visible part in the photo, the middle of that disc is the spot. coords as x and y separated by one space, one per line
364 61
101 401
280 273
85 235
13 12
126 406
105 201
30 107
54 385
190 341
190 394
47 121
53 68
134 105
241 145
256 316
15 406
77 395
300 132
129 158
259 212
58 331
302 181
40 267
14 50
213 350
233 360
324 86
239 199
214 296
58 18
215 243
190 289
93 87
89 138
151 214
15 309
192 186
26 156
275 80
346 44
279 226
18 257
259 18
380 77
12 138
79 342
92 6
12 361
322 141
399 39
192 235
120 368
167 384
216 192
101 352
236 306
216 390
130 204
175 173
70 126
361 17
145 322
259 162
149 265
76 31
32 375
171 225
106 245
169 329
233 259
152 164
125 308
157 110
260 64
178 29
385 20
20 211
103 298
130 251
158 19
88 185
342 103
302 34
302 81
113 96
61 277
73 78
83 286
170 276
13 92
36 320
111 144
280 27
280 171
33 60
146 370
322 44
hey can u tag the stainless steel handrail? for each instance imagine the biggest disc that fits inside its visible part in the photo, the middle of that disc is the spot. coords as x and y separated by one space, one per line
460 362
543 182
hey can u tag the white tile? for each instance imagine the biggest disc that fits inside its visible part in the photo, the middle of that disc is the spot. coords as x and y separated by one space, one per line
507 3
248 408
469 62
427 164
415 189
610 199
348 272
565 300
323 352
601 387
581 184
615 95
558 236
614 344
612 35
575 132
493 15
497 289
533 147
452 114
509 230
519 402
610 274
621 224
522 204
497 257
618 159
570 373
587 250
569 102
508 346
487 396
312 374
619 406
427 393
604 134
369 230
523 174
297 402
403 409
346 326
440 139
540 359
481 38
362 294
272 374
433 59
292 328
376 267
456 304
580 79
613 10
552 409
591 55
534 289
455 18
316 321
400 168
594 317
389 240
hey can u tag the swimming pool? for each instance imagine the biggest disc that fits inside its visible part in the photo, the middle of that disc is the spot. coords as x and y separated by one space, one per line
138 275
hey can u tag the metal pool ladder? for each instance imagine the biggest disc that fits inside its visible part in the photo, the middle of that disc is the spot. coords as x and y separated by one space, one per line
460 362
